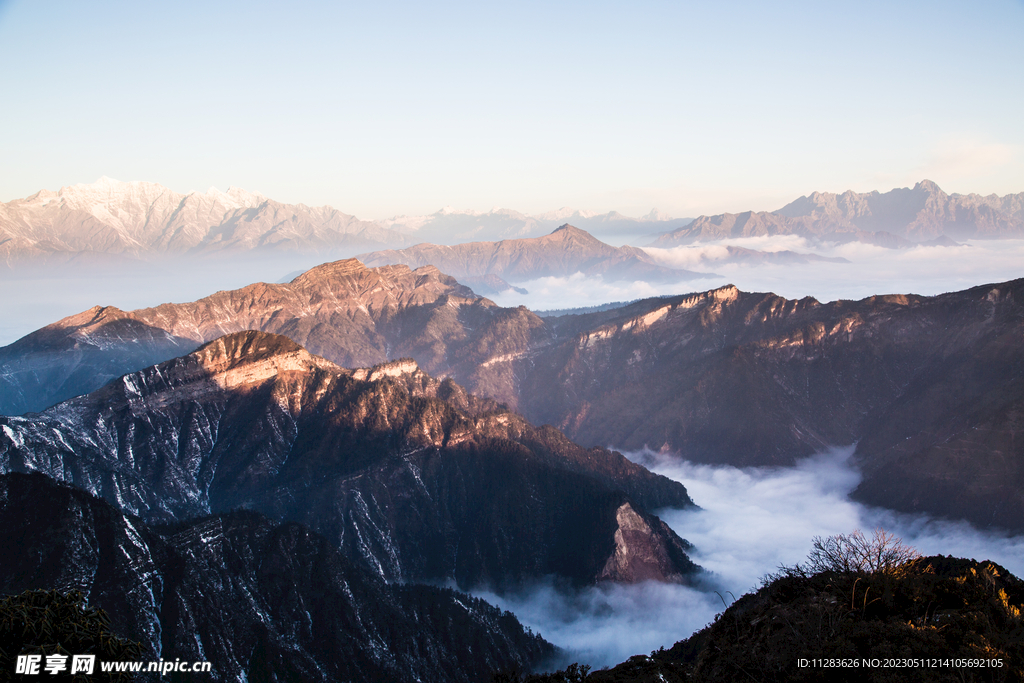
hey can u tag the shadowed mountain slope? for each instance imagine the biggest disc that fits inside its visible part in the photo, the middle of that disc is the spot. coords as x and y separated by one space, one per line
410 476
258 600
931 387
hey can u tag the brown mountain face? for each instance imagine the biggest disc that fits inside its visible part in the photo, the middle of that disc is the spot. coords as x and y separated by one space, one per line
566 251
344 311
412 477
897 218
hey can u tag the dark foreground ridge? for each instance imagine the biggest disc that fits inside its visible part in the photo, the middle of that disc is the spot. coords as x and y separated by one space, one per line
935 619
258 600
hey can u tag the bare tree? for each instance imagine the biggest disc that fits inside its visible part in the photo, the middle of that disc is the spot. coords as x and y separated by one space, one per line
883 552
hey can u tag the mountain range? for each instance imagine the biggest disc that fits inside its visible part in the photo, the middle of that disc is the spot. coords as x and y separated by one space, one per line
900 217
929 387
124 223
140 219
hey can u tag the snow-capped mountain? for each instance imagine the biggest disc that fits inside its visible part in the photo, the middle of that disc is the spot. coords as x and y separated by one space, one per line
139 219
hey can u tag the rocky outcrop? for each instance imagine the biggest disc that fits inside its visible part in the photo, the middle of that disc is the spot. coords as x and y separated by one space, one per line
412 477
640 551
258 600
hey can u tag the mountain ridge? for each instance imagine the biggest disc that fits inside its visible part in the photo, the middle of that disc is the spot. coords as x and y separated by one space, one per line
142 219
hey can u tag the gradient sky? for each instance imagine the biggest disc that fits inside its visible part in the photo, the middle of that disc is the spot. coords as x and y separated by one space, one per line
390 108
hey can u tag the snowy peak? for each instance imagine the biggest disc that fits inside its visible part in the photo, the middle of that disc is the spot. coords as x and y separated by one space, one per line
142 219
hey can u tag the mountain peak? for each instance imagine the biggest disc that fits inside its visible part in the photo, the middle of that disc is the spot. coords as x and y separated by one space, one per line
656 215
570 230
928 186
344 268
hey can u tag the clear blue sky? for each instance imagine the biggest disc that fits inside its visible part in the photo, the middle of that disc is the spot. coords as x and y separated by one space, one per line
389 108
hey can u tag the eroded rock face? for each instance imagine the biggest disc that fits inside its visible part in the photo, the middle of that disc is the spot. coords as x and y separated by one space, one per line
258 600
641 551
413 477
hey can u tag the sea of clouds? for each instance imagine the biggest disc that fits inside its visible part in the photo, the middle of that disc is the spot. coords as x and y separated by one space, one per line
871 270
750 521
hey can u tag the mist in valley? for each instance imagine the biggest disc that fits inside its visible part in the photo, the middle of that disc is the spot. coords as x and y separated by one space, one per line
750 521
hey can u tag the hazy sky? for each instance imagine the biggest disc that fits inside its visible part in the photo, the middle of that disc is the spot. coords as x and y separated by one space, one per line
388 108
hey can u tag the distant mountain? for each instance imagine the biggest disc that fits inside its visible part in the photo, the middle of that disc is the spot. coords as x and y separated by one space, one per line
901 217
136 219
411 477
256 599
450 226
566 251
